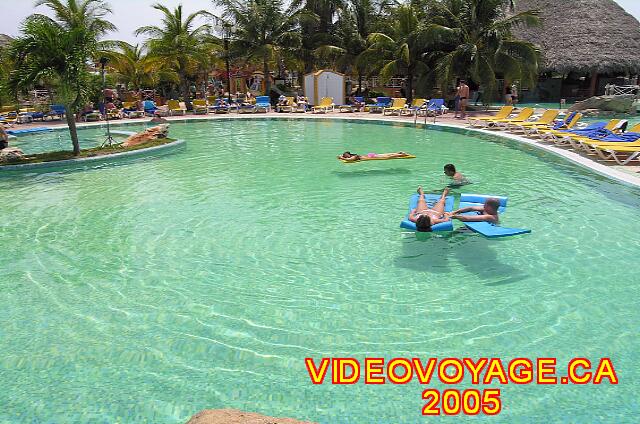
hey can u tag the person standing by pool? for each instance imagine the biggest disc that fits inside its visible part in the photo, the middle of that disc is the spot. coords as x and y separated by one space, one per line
463 95
514 95
507 97
457 177
486 213
426 217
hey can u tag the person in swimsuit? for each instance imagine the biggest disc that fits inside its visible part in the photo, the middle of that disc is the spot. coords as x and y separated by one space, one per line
424 216
514 95
352 157
486 213
457 177
463 95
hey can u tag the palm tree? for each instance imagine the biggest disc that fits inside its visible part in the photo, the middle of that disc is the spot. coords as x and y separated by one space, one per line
472 38
263 31
400 50
178 43
132 67
6 67
319 32
352 30
55 51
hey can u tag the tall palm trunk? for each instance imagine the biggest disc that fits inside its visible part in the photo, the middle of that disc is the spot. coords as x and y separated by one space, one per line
184 86
267 80
71 122
409 92
359 91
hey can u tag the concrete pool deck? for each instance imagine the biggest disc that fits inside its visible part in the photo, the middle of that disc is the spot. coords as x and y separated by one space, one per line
629 175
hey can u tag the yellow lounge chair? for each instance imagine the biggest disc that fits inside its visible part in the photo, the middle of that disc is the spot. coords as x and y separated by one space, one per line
546 120
114 114
129 109
175 108
11 118
503 113
396 107
561 133
200 107
589 145
7 109
291 104
326 105
521 117
567 125
416 104
569 139
634 129
622 155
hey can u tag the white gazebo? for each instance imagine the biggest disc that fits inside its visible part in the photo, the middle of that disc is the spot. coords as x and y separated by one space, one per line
325 83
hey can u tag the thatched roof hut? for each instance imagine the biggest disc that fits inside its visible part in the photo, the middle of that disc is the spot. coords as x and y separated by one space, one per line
584 36
4 40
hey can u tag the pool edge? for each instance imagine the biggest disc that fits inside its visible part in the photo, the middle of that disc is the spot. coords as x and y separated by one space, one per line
147 152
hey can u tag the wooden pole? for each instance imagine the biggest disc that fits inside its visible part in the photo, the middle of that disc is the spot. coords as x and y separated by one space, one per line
594 83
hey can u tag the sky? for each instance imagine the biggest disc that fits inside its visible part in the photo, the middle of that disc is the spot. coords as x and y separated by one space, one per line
131 14
128 15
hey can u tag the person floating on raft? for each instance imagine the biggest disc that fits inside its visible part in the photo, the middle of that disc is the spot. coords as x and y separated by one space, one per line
424 216
353 157
485 213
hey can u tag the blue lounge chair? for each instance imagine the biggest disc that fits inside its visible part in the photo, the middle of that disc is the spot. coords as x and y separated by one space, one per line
434 107
263 103
56 112
219 107
589 129
150 107
246 108
381 103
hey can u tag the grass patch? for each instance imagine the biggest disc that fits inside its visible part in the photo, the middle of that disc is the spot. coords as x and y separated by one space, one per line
86 153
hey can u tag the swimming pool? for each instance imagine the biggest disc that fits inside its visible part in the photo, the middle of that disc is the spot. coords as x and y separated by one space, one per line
148 291
88 137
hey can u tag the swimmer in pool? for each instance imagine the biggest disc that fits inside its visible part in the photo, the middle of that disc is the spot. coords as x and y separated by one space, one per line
486 213
451 172
424 216
352 157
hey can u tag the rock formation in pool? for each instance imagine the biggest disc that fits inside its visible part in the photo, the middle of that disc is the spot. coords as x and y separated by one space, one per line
620 103
11 154
233 416
150 134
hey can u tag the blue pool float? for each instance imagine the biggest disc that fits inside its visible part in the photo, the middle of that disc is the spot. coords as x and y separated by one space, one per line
431 200
488 229
28 131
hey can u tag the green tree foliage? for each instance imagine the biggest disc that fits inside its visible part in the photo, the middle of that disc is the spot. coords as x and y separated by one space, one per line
179 44
473 39
264 32
55 52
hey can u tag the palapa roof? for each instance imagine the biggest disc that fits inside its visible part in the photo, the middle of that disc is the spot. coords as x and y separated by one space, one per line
4 40
583 35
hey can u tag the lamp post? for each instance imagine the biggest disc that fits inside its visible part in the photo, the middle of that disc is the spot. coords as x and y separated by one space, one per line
109 139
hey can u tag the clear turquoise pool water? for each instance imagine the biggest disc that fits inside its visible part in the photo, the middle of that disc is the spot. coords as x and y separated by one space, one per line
145 292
